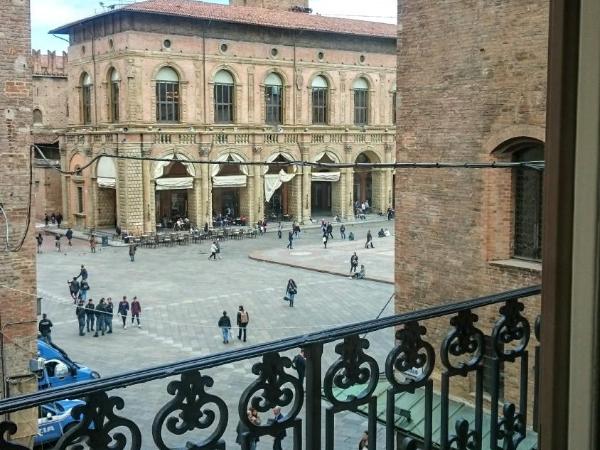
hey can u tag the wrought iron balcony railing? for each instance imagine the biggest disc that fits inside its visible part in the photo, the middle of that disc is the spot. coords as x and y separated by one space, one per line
352 383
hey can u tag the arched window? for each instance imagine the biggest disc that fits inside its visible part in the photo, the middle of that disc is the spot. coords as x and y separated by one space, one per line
224 97
273 99
361 101
37 117
320 88
167 95
86 98
114 83
528 203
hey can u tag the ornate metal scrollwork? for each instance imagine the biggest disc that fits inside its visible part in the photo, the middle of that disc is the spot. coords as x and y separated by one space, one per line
411 354
353 367
269 391
511 428
7 429
191 400
537 327
510 328
463 339
465 438
97 421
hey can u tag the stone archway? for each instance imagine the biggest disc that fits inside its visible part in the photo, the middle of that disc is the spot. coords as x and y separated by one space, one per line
367 186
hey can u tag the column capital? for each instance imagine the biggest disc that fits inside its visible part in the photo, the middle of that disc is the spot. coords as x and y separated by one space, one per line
257 149
204 150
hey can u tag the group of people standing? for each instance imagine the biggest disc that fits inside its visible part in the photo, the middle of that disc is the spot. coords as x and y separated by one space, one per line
99 318
224 323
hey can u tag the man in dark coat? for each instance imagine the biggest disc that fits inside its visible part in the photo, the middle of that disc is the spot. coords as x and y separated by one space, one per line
45 328
277 417
100 311
90 315
80 313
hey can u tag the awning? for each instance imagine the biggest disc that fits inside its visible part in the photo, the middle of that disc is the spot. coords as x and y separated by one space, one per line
274 182
331 177
166 184
159 166
274 156
216 168
229 181
107 183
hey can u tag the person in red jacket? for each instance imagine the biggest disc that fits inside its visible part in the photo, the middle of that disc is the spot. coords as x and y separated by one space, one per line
136 309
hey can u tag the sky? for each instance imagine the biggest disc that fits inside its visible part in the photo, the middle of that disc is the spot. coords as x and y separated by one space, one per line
49 14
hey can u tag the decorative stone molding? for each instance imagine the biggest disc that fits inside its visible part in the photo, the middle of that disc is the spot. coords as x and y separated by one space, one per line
204 150
388 147
348 147
257 149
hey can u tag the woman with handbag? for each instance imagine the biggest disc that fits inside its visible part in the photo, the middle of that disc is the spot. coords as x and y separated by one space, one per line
290 291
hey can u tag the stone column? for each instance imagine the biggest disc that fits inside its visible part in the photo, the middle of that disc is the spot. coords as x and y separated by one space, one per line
148 194
389 176
256 187
306 186
66 199
205 203
348 200
131 193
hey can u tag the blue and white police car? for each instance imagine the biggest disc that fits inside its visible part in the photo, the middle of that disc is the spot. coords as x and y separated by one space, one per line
54 420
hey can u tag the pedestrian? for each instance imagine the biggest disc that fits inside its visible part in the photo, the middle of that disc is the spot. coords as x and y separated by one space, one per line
299 363
342 231
73 288
80 313
90 315
132 250
290 291
277 418
83 273
242 322
390 213
243 431
361 274
329 230
84 287
45 328
136 310
69 236
290 240
59 219
353 262
123 310
213 251
279 230
108 315
364 441
40 240
369 240
93 243
46 219
57 242
325 240
351 236
100 311
225 325
218 245
53 218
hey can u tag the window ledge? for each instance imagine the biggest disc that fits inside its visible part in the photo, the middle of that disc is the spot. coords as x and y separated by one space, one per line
514 263
82 215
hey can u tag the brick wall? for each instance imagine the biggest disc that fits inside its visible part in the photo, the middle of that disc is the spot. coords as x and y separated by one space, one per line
47 192
470 76
17 269
106 207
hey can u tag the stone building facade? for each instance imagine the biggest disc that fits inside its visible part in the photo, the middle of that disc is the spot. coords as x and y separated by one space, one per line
17 262
49 118
189 81
472 90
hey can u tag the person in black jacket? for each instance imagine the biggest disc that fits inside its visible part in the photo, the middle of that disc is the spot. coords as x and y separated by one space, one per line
100 311
299 363
90 315
45 328
69 236
277 417
73 288
225 325
108 316
80 313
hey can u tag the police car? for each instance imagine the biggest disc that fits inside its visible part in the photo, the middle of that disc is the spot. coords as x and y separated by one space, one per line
54 420
55 368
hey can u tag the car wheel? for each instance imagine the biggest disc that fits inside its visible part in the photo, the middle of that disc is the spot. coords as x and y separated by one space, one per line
95 374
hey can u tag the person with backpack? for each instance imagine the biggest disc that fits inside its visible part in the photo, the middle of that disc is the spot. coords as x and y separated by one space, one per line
290 291
90 315
80 313
342 231
136 310
353 262
225 325
242 322
123 310
84 287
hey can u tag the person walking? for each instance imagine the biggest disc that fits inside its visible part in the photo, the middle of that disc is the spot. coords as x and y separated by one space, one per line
69 236
59 219
325 239
242 322
299 363
100 312
290 291
80 313
290 240
225 325
83 273
136 310
242 430
353 262
90 315
57 242
279 230
342 231
280 436
123 310
213 251
45 328
46 219
369 240
108 316
40 240
84 287
218 245
93 243
329 230
73 288
132 250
